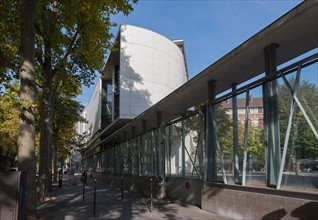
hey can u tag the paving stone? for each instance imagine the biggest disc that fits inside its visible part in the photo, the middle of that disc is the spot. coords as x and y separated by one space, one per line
67 203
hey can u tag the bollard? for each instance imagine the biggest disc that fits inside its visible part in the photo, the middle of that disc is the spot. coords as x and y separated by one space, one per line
122 188
42 188
83 191
94 197
150 195
60 178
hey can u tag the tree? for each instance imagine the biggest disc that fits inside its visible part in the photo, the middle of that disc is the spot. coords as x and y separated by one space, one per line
255 149
225 131
26 140
17 59
67 113
302 142
223 124
9 119
255 142
9 41
72 40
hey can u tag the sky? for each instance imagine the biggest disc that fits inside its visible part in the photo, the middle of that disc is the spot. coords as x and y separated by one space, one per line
210 28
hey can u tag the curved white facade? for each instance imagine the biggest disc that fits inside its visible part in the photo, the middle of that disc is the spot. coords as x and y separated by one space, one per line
144 68
151 67
92 112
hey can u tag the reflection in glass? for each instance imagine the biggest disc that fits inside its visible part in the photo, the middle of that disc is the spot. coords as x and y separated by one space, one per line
300 169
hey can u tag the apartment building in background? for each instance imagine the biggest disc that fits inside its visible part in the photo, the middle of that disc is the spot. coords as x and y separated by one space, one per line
255 110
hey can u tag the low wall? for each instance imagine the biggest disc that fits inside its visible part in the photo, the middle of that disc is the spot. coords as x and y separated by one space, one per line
186 190
233 201
257 203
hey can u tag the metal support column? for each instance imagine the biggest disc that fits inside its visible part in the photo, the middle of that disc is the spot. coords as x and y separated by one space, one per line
142 147
152 145
126 157
204 146
163 144
289 125
113 156
218 145
211 160
139 155
198 148
271 117
245 135
119 156
133 150
157 145
183 146
235 137
168 151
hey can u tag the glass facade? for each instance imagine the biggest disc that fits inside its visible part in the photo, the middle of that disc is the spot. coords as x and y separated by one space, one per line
107 102
116 90
193 146
175 149
178 149
298 111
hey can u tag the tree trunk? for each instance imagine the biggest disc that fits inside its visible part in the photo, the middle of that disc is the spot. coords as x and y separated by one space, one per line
26 139
45 167
55 163
50 144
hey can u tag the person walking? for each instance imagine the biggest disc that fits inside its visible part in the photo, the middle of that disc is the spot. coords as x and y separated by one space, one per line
85 177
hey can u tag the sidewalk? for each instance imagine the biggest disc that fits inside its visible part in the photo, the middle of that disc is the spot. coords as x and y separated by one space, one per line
67 203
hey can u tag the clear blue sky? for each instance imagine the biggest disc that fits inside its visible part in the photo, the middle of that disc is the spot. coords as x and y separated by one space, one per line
210 28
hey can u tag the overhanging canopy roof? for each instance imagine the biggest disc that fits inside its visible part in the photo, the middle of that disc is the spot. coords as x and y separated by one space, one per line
296 33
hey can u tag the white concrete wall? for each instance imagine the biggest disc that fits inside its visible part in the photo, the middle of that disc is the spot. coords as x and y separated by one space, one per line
151 67
92 112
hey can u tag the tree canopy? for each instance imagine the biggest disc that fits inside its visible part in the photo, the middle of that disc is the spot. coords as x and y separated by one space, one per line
69 40
9 119
72 41
302 142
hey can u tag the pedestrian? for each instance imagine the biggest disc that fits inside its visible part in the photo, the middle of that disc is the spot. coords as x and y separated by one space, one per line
85 177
